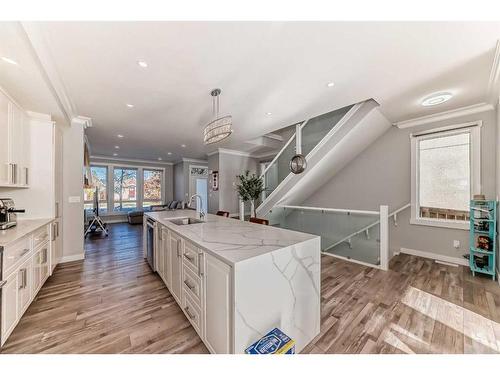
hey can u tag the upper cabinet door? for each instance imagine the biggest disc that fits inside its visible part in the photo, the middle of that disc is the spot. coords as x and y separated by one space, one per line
4 140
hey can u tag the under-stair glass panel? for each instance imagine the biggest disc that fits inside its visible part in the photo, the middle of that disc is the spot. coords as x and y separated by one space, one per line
337 231
316 128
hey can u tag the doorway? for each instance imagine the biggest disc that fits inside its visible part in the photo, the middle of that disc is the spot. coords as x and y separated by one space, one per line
198 184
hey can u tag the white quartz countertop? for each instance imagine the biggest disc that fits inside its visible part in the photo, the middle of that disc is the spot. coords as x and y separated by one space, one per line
23 227
230 240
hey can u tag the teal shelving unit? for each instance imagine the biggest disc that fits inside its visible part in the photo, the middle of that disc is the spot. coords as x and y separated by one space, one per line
483 222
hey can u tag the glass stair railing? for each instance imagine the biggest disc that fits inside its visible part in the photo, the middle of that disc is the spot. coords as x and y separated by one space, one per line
312 132
353 235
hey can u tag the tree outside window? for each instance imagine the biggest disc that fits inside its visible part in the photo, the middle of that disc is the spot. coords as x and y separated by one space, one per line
152 187
125 189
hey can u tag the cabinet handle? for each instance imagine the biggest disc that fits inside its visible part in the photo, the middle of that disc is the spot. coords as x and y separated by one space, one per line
23 278
178 248
57 229
53 232
27 174
15 173
188 285
186 309
200 264
12 177
57 209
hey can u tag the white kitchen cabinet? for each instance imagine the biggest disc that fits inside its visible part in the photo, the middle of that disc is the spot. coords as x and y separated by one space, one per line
26 267
9 305
25 280
55 244
217 310
160 264
166 256
4 140
37 272
19 146
176 250
14 144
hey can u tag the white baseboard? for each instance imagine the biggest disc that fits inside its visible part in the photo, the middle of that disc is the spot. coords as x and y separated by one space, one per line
72 258
442 258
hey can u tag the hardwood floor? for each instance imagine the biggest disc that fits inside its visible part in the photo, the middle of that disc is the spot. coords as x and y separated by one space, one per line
113 303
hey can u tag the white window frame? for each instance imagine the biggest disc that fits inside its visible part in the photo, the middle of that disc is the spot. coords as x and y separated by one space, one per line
107 189
474 130
140 175
162 180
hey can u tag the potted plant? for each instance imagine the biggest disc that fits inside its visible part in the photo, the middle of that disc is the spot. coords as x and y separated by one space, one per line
250 188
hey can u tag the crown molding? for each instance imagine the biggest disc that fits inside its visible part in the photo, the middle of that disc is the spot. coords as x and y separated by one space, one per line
441 116
494 79
125 160
229 152
86 122
189 160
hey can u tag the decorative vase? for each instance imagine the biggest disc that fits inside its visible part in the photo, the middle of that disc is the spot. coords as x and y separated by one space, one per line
242 210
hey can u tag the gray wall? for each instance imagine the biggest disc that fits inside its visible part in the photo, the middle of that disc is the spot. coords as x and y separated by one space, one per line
181 179
213 196
381 175
229 167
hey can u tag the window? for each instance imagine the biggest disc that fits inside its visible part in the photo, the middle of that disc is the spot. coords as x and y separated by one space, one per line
125 189
152 181
99 180
445 175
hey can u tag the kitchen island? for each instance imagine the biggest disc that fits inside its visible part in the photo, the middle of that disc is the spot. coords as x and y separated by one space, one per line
236 281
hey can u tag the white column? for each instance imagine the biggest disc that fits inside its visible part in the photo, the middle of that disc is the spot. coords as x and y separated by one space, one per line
384 237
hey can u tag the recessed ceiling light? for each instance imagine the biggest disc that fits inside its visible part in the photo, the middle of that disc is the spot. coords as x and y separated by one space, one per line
436 99
160 159
130 105
169 153
183 146
117 147
142 63
120 136
115 154
10 61
330 84
269 113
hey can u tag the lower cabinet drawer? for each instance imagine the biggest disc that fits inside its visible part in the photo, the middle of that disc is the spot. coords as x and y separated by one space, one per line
13 253
193 312
40 236
192 285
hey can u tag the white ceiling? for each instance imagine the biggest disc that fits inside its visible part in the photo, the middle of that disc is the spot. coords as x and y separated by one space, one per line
278 67
24 82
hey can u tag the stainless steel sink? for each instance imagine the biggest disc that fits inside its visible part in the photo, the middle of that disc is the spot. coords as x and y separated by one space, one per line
185 221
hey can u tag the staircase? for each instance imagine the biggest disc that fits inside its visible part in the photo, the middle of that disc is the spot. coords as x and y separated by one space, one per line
329 142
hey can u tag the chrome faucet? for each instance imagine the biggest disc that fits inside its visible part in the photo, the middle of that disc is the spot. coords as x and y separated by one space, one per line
202 213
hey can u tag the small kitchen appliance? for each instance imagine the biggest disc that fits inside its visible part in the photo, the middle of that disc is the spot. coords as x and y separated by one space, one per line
8 217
